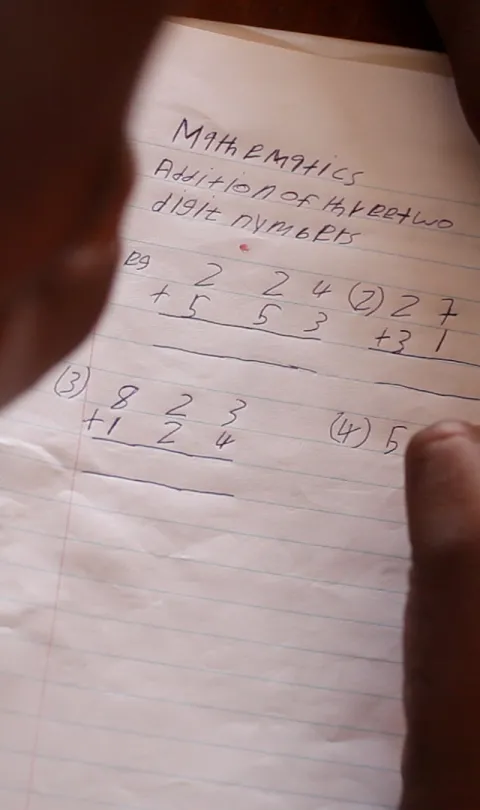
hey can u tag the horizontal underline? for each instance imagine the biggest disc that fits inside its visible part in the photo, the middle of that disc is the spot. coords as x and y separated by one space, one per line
427 391
161 449
156 484
289 366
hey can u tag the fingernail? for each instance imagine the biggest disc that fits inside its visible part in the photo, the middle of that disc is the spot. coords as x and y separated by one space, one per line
443 484
441 431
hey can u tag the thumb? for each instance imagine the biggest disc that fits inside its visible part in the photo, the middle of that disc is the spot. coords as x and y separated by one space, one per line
441 767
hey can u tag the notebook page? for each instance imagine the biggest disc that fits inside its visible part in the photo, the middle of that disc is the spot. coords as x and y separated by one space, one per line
387 55
203 534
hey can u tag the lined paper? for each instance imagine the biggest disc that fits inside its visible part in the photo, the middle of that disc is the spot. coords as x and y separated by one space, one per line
203 534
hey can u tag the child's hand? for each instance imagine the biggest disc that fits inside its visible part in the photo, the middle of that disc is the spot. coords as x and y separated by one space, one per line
67 72
442 628
459 25
66 78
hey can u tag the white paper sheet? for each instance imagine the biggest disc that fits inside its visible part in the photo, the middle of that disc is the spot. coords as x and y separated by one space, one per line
335 48
203 549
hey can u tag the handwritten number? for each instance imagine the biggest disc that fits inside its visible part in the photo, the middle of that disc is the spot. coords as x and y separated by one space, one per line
72 382
191 309
262 317
234 412
284 277
178 410
353 432
403 341
114 424
321 288
392 443
125 393
366 299
207 281
401 312
166 439
322 318
344 431
441 341
224 440
449 313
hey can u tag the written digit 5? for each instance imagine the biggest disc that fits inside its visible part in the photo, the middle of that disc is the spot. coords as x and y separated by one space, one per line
262 318
192 308
392 442
321 288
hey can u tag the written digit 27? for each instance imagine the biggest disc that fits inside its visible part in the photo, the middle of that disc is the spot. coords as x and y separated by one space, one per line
392 441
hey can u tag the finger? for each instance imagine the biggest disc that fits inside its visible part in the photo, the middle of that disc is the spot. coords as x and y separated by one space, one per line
442 624
459 24
52 315
66 81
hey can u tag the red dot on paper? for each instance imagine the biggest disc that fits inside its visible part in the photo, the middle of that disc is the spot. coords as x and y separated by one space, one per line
244 248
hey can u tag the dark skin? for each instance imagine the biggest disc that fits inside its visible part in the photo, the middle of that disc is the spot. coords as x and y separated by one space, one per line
442 640
68 73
